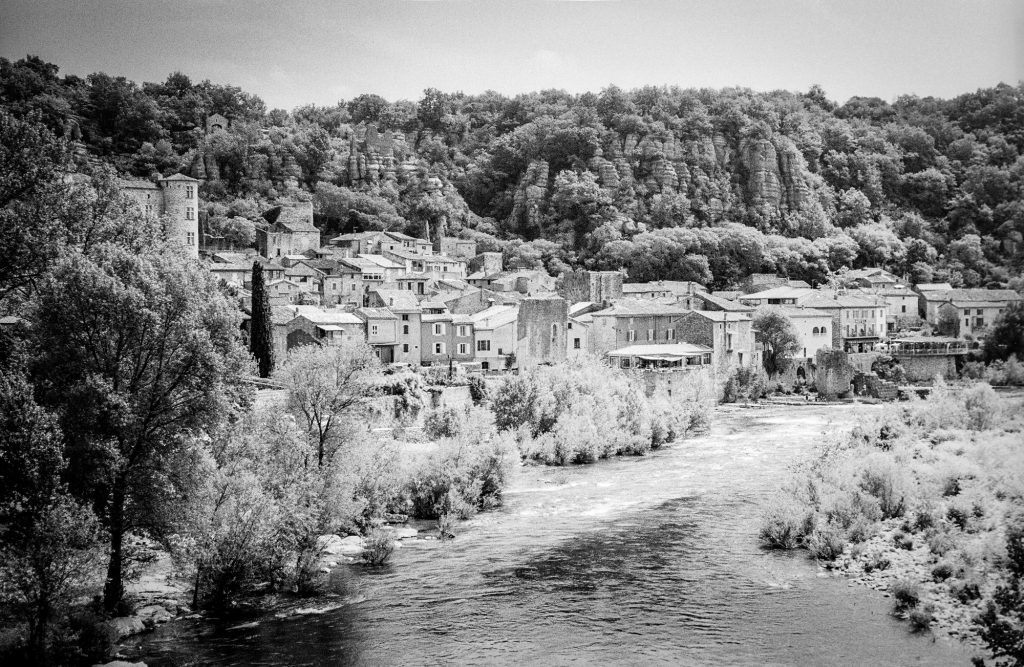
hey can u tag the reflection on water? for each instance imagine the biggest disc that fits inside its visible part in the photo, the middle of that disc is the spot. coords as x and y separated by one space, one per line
636 561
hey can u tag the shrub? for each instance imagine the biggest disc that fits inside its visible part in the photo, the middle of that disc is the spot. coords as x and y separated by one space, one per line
876 562
943 571
827 542
882 478
782 526
941 543
921 619
477 389
444 422
903 541
923 520
906 595
966 591
983 407
378 547
958 515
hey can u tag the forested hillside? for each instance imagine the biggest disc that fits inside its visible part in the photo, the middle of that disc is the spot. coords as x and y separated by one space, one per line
668 183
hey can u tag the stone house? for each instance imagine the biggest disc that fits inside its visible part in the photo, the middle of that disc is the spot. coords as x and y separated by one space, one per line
289 231
358 243
460 248
858 321
381 331
438 266
283 292
578 329
495 335
662 289
320 326
408 327
813 329
975 309
872 279
729 336
305 275
590 286
445 337
930 297
672 373
236 274
777 296
759 282
635 321
901 304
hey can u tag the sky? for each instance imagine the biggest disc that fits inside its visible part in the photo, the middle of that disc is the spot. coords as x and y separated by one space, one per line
295 52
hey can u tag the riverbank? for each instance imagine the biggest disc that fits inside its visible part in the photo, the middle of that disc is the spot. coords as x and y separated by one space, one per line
916 502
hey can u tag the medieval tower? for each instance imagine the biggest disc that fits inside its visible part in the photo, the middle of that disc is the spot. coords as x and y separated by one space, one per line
176 198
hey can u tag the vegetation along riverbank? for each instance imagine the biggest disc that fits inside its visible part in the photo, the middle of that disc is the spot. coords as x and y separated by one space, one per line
925 501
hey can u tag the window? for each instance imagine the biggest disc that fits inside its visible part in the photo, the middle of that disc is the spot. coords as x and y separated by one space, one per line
978 312
575 343
624 362
904 307
630 337
438 329
463 348
554 333
484 365
728 342
463 331
405 329
650 334
814 331
149 209
569 325
823 331
438 348
670 334
405 347
190 238
373 329
190 213
190 192
483 346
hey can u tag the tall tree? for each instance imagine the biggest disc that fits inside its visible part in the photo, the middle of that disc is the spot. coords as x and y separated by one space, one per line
1007 336
139 355
776 333
261 327
326 386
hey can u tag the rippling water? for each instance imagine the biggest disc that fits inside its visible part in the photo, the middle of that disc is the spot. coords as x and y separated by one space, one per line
648 560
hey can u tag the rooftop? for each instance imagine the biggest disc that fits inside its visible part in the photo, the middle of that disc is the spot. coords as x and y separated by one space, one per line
784 292
495 316
318 315
666 352
641 308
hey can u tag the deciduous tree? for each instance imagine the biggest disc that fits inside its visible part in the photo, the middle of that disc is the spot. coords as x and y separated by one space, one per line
775 331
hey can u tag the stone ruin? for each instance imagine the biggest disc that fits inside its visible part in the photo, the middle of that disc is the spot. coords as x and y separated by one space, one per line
833 374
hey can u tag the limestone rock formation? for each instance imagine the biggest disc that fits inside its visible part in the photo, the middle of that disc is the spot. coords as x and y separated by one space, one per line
763 186
530 194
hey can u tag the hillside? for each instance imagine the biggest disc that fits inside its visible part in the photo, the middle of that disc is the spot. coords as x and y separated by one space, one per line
704 185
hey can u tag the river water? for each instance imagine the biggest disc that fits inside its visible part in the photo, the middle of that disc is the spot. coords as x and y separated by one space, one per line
649 560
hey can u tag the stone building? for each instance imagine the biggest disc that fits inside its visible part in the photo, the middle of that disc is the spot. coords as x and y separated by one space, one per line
630 321
974 310
460 248
444 337
729 336
541 330
592 286
175 199
495 333
408 328
289 231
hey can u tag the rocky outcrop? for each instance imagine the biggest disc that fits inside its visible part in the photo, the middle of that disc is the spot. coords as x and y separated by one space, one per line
530 195
763 186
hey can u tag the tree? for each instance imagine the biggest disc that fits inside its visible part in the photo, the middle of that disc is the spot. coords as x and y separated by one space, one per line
48 547
1007 335
139 354
325 387
780 341
261 326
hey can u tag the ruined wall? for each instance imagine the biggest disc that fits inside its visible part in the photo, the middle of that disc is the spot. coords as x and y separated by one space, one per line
541 331
863 361
833 373
925 368
594 286
486 262
690 384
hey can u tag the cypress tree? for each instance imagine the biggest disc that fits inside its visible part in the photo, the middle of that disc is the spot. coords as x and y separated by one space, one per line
261 336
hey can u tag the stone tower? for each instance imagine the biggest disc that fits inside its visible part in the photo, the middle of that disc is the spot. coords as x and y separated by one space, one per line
181 207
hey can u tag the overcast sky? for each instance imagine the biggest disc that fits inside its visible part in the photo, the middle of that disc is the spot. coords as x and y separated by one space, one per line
310 51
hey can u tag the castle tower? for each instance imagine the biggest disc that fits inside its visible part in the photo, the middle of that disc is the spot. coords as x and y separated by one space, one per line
181 206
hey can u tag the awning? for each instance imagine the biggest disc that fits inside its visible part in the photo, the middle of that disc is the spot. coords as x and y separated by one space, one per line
329 327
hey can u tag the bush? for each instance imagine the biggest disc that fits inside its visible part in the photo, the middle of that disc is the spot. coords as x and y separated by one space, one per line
827 542
943 571
378 547
921 619
477 389
782 526
885 480
444 422
877 562
983 407
906 594
903 541
941 543
965 592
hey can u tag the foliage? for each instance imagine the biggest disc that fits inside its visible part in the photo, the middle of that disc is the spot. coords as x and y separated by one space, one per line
327 386
775 331
445 422
662 185
261 326
139 355
380 544
478 389
744 384
1006 338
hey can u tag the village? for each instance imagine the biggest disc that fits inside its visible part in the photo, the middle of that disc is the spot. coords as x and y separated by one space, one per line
419 303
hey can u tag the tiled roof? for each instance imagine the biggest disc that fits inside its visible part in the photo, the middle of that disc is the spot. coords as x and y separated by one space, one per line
641 308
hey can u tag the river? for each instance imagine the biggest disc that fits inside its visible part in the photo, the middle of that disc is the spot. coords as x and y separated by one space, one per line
650 560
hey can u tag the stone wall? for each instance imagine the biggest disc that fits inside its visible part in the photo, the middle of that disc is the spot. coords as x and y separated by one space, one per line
594 286
688 384
925 368
833 373
863 361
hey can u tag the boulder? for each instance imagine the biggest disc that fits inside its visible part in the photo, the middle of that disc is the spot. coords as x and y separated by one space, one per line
402 533
153 615
333 545
125 626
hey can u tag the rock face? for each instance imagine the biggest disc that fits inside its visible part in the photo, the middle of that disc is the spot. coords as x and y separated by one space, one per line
530 194
764 186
